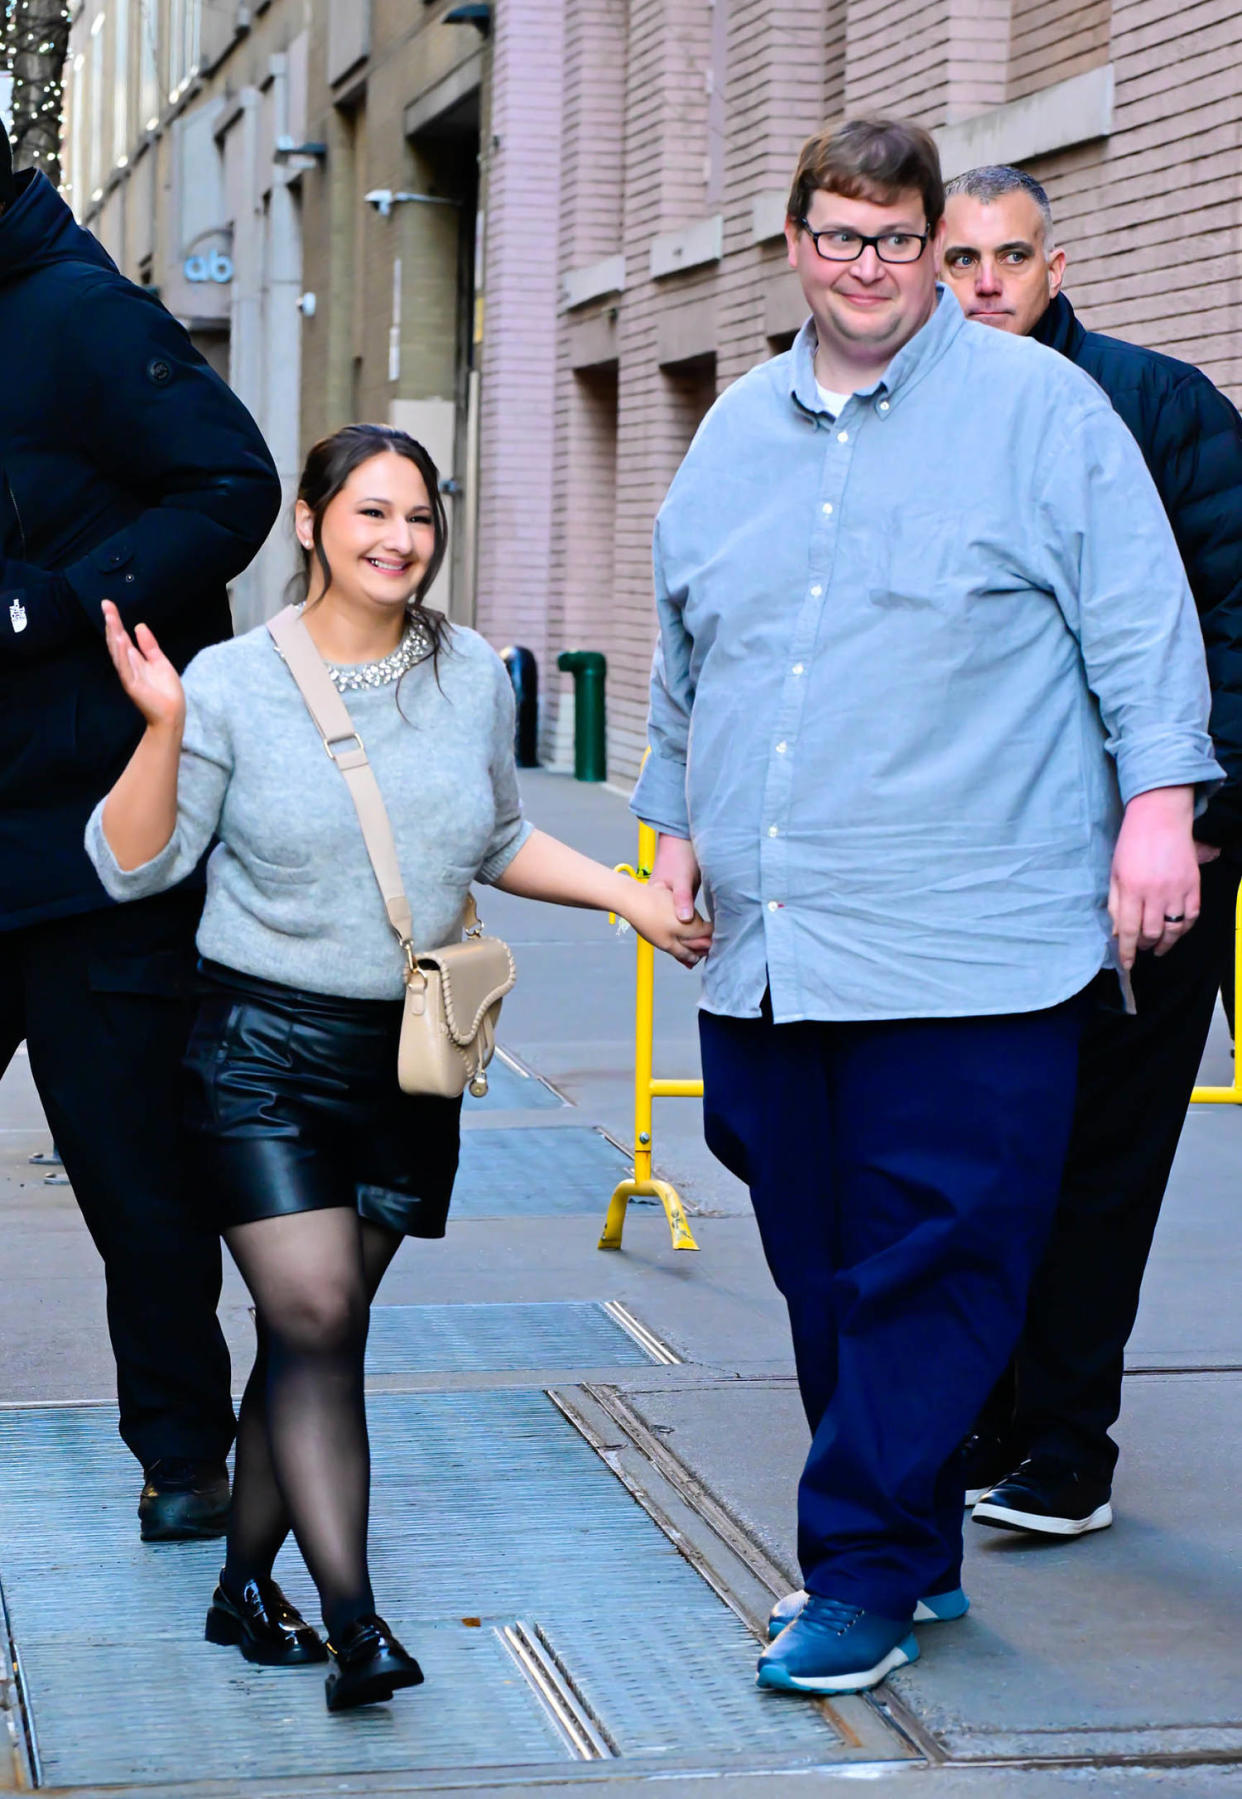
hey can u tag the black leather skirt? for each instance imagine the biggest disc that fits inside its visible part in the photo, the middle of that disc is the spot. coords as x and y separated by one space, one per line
293 1105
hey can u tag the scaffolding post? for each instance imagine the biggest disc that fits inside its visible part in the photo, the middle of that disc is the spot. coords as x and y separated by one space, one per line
647 1088
1232 1095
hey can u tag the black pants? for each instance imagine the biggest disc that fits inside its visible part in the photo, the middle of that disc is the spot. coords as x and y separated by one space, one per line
105 1002
1134 1084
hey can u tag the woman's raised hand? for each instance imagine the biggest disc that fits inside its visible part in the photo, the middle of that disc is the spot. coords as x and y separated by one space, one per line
652 911
147 675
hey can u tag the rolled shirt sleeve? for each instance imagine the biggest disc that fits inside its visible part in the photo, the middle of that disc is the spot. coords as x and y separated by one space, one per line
1118 577
659 799
202 778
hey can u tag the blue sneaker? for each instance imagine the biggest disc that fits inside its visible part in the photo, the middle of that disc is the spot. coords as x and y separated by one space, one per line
937 1608
833 1647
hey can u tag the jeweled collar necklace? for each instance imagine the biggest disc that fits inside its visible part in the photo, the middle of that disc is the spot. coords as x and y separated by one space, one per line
355 677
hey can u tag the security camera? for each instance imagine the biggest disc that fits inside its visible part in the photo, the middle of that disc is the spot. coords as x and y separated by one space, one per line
383 200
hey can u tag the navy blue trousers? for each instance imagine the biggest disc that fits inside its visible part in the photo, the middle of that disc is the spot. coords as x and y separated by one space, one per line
904 1176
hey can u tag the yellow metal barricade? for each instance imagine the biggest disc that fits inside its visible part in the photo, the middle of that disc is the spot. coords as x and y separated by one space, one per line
646 1089
1232 1095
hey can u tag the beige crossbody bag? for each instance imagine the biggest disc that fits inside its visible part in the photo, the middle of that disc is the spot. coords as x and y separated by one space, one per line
452 994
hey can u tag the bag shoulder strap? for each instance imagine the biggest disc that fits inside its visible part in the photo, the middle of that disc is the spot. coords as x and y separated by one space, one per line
347 751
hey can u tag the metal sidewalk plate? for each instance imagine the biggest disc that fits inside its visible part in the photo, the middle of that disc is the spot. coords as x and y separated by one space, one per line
512 1088
505 1552
464 1339
534 1172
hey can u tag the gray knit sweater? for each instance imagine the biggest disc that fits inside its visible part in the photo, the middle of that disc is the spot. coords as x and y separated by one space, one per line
291 896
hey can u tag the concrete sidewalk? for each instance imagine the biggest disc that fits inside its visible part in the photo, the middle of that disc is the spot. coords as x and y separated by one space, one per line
1113 1660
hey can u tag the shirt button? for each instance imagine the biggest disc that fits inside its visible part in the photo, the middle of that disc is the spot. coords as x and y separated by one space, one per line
883 405
781 748
773 906
816 591
773 831
843 437
827 507
797 668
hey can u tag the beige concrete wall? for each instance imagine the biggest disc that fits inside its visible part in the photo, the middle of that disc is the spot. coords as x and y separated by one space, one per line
202 173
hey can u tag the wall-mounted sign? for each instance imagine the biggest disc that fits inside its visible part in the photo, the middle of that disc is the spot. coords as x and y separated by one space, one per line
214 267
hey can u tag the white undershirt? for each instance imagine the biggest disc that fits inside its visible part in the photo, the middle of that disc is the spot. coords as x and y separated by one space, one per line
834 402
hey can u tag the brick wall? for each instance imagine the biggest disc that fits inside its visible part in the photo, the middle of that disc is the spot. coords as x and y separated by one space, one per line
519 342
1050 40
1151 217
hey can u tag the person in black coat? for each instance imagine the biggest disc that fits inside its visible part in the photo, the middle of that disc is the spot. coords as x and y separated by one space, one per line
128 471
1042 1459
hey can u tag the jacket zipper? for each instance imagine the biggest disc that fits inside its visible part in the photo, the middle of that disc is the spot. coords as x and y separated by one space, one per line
21 530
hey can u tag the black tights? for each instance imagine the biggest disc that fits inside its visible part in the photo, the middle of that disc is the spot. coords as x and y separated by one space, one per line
303 1461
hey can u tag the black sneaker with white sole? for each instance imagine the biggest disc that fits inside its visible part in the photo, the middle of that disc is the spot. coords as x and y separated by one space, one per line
985 1458
1049 1497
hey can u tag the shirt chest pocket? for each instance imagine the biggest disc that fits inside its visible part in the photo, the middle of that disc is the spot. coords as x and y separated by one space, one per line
919 566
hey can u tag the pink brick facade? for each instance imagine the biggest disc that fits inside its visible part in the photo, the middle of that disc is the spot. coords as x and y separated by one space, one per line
520 285
674 114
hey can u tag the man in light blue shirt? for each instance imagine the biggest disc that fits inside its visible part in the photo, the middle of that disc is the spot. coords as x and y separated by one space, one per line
928 715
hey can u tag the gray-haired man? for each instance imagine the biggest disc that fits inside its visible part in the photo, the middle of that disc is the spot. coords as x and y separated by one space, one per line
1042 1459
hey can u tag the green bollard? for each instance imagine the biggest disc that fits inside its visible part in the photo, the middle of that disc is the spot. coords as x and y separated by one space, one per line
588 668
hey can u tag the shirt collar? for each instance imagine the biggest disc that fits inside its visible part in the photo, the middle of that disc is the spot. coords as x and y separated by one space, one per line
908 366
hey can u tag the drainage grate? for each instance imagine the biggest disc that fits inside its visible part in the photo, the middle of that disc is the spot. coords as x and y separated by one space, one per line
478 1338
488 1507
536 1172
512 1088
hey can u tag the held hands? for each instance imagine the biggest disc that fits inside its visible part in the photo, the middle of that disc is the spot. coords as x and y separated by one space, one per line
1153 897
147 675
654 915
670 896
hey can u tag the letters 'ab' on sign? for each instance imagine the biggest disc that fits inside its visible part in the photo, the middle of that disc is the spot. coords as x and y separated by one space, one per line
216 267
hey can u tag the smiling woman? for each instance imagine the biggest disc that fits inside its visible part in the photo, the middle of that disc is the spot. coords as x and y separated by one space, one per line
308 1155
381 546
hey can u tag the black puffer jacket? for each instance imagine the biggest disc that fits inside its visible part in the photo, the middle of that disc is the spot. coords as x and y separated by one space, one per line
131 472
1191 439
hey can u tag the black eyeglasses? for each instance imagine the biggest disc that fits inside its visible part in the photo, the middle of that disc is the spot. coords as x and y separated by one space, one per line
838 245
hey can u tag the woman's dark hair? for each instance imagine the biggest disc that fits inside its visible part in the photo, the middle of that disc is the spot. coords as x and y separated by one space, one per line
328 467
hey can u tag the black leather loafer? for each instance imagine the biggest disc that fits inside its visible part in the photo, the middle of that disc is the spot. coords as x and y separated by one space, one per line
264 1626
183 1500
368 1665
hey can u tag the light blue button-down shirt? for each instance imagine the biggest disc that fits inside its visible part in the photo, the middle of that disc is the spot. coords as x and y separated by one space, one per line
912 660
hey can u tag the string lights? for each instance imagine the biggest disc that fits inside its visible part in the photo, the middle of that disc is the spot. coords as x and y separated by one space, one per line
34 42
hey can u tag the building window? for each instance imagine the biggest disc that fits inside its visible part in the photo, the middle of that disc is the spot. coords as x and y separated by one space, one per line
77 103
120 83
184 28
149 107
95 104
690 388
